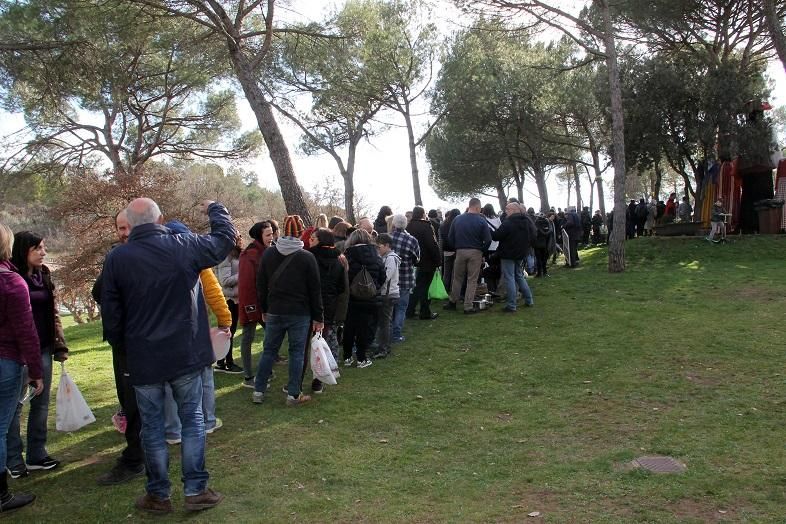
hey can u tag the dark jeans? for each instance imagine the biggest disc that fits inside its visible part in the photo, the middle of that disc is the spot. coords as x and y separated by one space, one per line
420 294
447 271
233 310
132 456
249 333
296 328
10 380
36 422
383 325
358 330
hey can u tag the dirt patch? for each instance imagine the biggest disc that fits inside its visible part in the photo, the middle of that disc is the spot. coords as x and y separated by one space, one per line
750 293
703 510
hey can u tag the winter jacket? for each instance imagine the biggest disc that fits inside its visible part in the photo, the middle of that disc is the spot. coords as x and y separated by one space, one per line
248 267
331 278
18 336
367 255
470 231
429 250
573 225
494 224
215 297
46 319
297 291
515 235
444 240
151 300
227 273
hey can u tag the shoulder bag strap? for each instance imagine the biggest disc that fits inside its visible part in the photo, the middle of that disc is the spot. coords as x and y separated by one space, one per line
280 269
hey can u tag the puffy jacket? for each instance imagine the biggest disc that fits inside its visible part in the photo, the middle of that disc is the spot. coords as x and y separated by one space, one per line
515 235
248 267
151 300
18 337
227 273
429 249
331 277
215 297
366 255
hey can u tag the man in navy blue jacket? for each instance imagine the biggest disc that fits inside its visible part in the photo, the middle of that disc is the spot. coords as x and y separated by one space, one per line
471 236
152 306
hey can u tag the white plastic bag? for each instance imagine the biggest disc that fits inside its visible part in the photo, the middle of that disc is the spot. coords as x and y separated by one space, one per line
220 340
320 365
331 359
72 411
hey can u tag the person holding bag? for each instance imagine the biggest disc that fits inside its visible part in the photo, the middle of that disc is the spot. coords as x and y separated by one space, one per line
19 345
28 256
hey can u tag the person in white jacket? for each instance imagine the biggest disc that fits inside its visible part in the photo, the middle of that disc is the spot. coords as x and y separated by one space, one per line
389 294
227 272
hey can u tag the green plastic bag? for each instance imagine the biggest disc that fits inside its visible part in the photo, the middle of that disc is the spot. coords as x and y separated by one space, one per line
436 290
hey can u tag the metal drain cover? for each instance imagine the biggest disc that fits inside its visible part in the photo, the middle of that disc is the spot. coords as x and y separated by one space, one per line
659 464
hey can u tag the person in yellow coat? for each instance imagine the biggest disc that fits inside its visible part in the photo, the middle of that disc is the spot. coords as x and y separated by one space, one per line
214 297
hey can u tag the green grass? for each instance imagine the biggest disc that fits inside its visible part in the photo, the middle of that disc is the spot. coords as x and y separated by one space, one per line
488 418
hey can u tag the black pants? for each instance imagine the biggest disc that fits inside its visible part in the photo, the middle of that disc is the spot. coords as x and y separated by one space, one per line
359 328
420 294
132 456
233 310
541 261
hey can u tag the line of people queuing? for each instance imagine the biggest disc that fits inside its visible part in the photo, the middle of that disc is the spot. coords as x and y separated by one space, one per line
354 285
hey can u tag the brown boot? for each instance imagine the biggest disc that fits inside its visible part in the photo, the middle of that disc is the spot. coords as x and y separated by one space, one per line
153 504
205 500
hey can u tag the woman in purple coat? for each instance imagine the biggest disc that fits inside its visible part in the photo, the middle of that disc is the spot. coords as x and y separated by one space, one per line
19 345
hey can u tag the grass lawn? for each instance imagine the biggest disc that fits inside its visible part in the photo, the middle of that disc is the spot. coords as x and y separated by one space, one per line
491 417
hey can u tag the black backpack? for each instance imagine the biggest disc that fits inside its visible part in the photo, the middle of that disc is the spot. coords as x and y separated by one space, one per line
363 286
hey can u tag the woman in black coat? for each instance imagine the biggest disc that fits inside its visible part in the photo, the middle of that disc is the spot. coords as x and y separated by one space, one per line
361 251
420 228
332 280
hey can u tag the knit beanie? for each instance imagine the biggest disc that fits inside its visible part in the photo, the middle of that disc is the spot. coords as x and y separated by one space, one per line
293 226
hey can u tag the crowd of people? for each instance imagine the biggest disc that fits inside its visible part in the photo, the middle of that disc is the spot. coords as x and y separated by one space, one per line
355 285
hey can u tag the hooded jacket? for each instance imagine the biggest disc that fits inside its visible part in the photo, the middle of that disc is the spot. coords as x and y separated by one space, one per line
331 277
152 301
367 255
429 249
18 336
297 290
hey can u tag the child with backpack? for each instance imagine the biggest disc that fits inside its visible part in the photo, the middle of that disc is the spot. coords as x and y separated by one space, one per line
388 293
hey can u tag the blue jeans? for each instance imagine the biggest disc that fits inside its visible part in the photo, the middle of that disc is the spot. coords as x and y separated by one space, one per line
297 328
36 422
10 380
399 313
187 390
173 425
514 278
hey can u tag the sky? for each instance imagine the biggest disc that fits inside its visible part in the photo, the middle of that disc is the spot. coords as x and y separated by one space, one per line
382 173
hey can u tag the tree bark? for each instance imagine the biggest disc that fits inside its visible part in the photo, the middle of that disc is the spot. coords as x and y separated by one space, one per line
577 184
413 159
349 180
774 26
617 241
598 178
502 198
277 148
658 181
540 181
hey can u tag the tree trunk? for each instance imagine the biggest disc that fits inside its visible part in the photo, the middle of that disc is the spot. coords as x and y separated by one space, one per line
617 241
598 178
592 192
540 181
349 180
277 148
413 159
577 183
658 181
502 198
774 26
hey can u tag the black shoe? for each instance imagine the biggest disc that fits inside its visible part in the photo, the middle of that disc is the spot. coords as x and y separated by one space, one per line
119 474
450 306
430 317
233 369
11 501
46 463
220 367
316 386
18 471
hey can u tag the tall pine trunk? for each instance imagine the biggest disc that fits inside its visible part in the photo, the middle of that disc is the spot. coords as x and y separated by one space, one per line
617 241
413 158
577 183
277 148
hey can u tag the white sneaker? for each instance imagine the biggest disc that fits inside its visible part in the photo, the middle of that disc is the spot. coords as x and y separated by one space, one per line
348 362
173 441
364 364
257 396
219 425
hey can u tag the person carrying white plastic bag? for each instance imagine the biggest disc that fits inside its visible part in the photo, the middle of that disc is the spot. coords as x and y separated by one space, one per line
72 412
320 360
